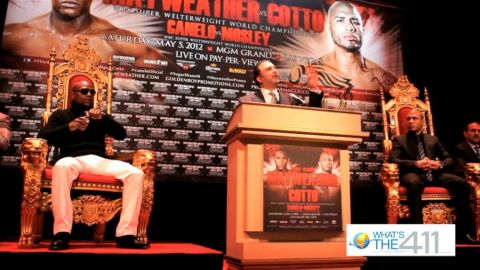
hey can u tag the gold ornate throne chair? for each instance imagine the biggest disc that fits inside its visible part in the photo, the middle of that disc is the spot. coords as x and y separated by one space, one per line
472 175
89 208
436 209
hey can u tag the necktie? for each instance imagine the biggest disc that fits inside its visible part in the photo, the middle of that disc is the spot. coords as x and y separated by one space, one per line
273 99
477 149
421 155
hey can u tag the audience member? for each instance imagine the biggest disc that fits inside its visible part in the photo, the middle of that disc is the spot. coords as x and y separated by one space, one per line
469 150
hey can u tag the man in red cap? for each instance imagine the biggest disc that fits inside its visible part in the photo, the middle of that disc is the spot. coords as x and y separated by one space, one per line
79 132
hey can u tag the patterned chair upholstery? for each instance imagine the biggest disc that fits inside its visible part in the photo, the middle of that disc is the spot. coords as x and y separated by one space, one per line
90 207
436 209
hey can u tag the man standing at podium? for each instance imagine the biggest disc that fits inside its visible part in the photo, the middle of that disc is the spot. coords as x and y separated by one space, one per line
266 76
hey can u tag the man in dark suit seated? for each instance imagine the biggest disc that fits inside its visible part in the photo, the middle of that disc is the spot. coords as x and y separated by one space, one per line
469 150
422 161
266 76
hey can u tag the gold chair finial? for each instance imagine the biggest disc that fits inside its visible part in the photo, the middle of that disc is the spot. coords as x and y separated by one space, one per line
403 87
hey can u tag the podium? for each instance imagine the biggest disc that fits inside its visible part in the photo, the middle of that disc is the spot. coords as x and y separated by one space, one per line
249 245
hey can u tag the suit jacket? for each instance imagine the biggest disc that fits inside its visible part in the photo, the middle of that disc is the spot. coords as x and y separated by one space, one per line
258 97
315 99
463 154
405 152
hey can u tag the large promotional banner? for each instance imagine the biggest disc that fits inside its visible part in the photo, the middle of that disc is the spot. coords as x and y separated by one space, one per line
301 188
180 66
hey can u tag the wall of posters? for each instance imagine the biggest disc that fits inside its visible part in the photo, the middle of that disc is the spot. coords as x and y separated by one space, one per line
180 67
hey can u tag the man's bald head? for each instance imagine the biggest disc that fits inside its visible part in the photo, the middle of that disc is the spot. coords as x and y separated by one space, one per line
415 120
346 26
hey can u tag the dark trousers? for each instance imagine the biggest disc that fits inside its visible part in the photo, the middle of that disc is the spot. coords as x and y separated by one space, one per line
456 186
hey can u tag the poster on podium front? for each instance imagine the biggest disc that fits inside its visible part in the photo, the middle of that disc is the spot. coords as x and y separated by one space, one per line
301 188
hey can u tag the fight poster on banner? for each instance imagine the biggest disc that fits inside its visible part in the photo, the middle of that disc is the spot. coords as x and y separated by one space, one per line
180 67
301 188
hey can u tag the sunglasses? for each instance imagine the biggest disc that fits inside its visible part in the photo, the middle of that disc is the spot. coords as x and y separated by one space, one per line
85 91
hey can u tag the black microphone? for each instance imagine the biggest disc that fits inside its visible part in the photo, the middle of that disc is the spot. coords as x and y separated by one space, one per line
297 98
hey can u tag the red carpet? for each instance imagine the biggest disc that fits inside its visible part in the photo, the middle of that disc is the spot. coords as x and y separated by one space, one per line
109 248
88 254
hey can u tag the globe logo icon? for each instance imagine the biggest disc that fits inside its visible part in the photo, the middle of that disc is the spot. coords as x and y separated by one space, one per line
361 240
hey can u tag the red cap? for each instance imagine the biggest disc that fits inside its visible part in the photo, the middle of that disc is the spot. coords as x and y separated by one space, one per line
82 81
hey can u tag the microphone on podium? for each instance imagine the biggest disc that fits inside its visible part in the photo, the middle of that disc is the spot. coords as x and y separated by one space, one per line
297 98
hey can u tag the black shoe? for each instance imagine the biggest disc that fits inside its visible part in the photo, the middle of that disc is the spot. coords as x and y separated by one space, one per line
130 241
60 241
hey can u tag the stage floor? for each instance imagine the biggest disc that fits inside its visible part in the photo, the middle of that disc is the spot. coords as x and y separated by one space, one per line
88 254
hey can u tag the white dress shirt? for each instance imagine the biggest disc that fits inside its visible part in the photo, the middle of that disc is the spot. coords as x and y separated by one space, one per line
268 96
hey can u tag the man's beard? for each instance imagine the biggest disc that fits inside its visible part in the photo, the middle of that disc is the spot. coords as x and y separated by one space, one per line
87 104
350 47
